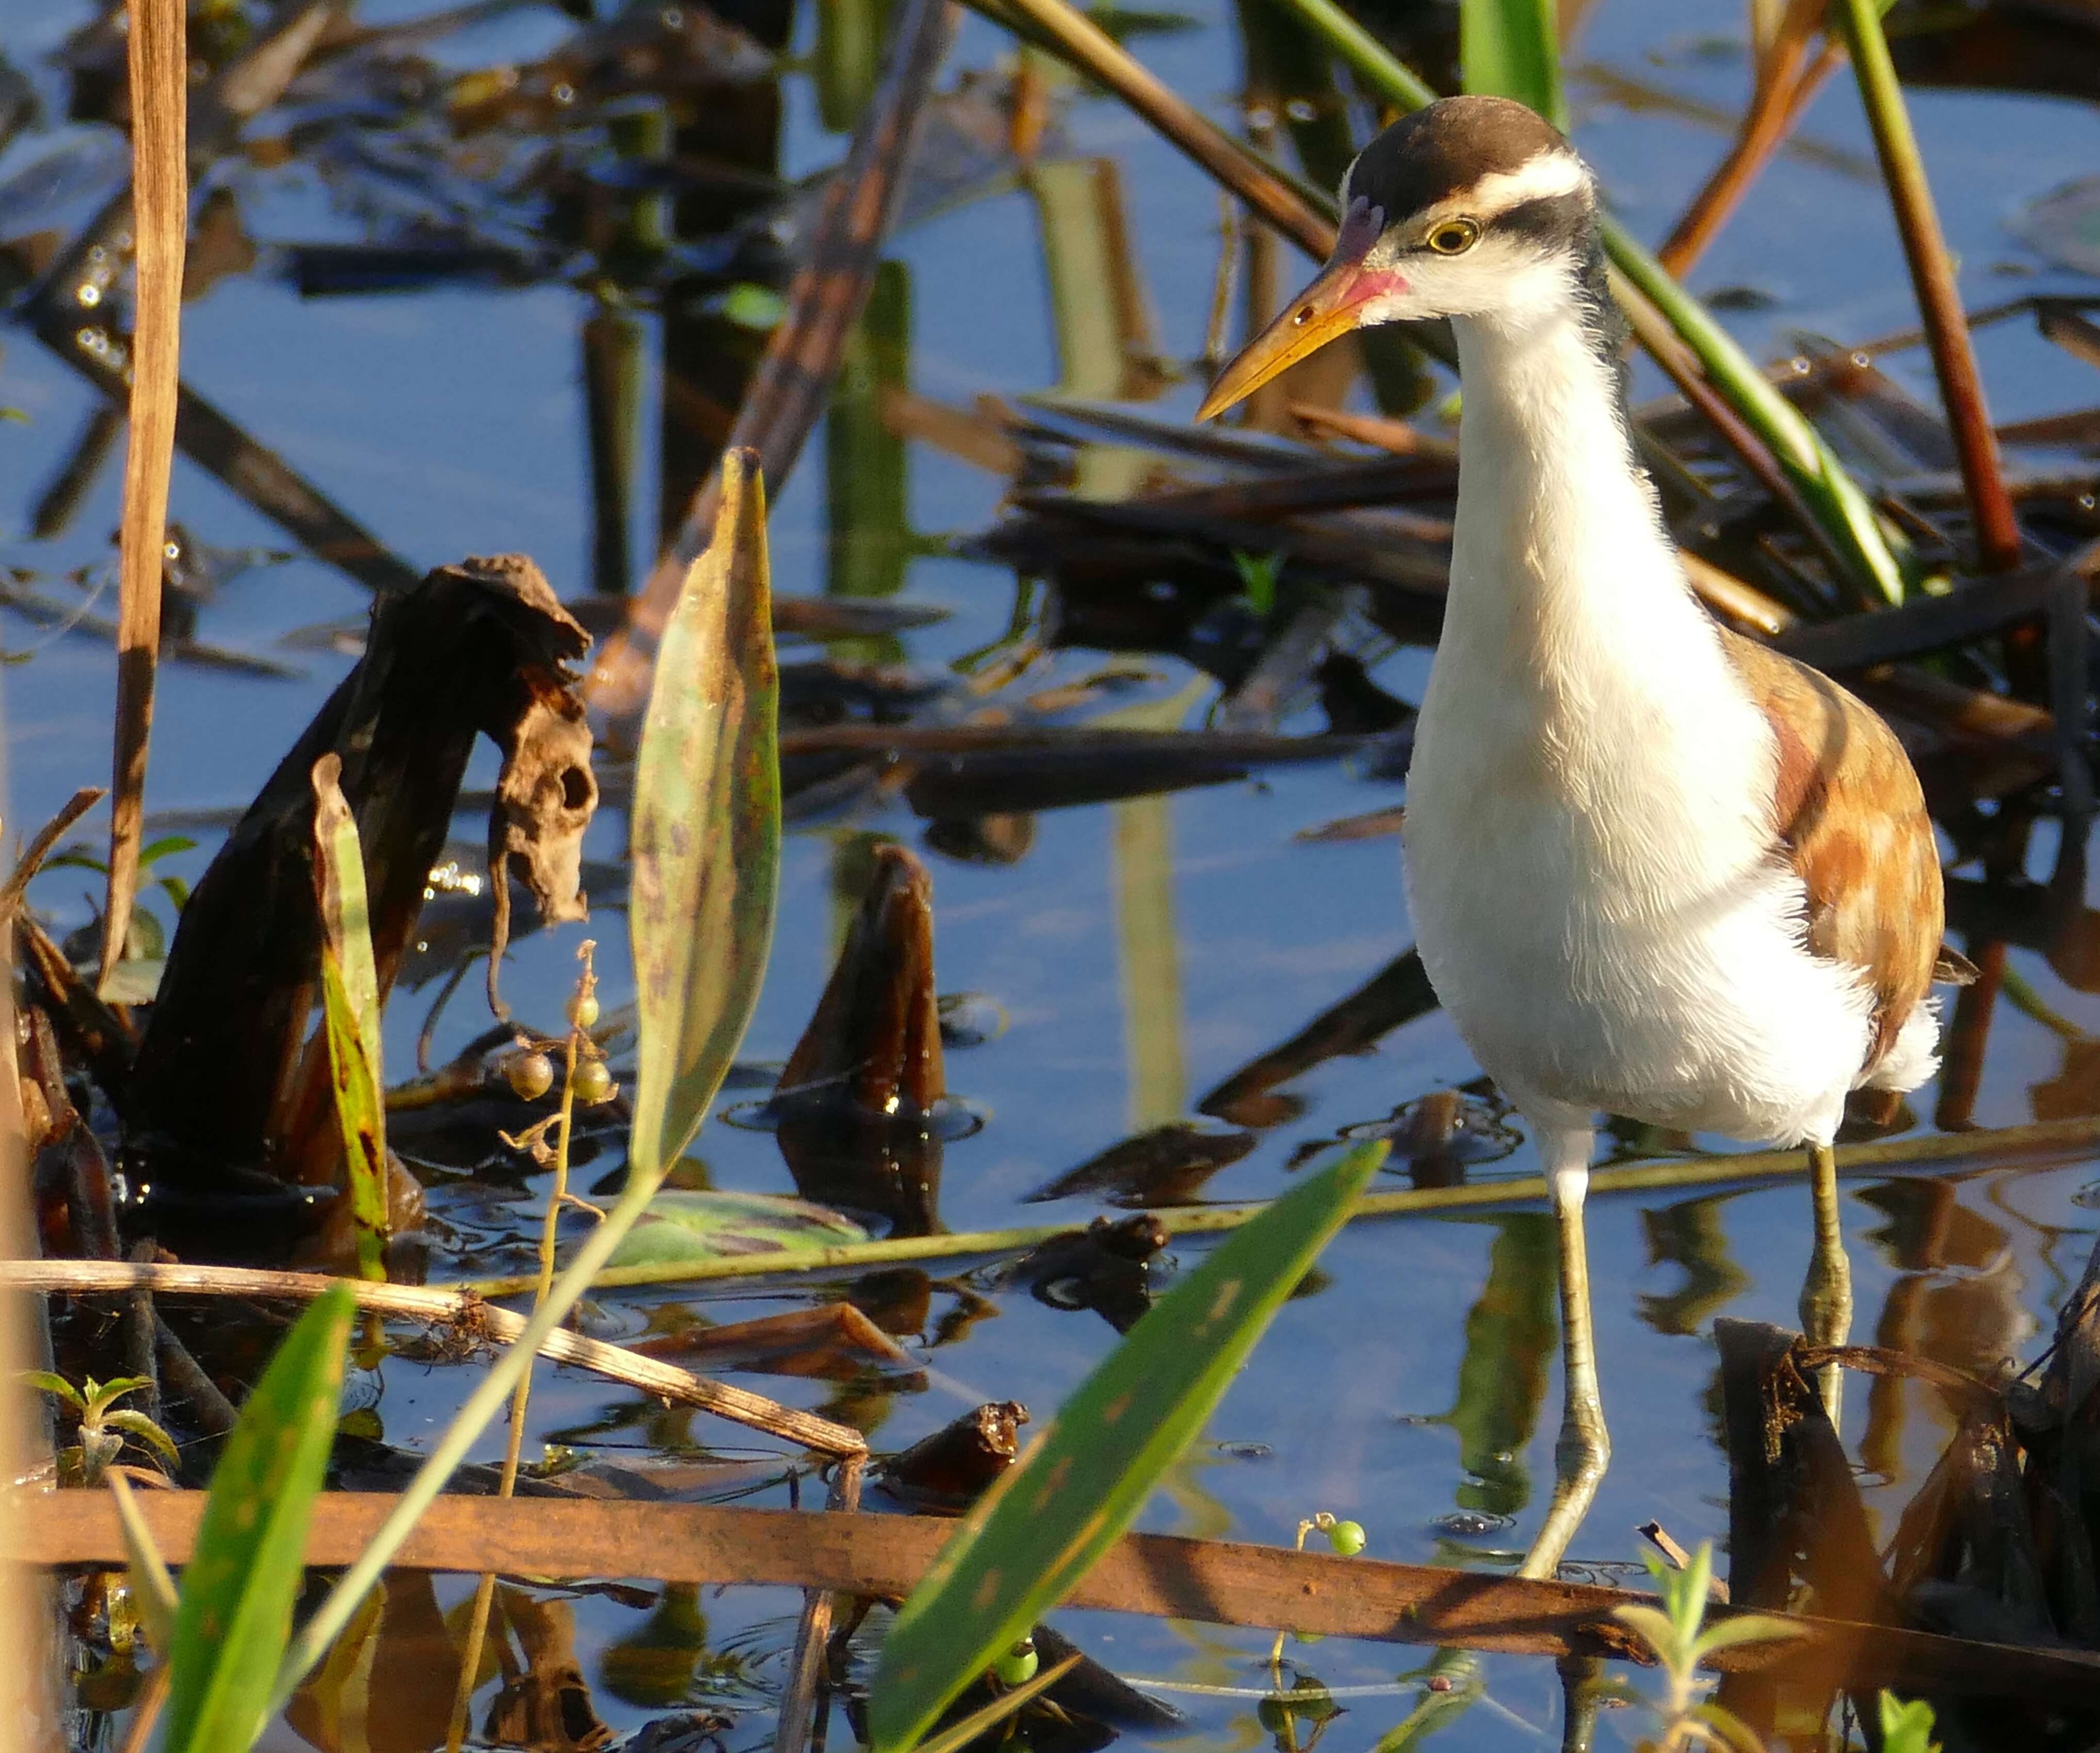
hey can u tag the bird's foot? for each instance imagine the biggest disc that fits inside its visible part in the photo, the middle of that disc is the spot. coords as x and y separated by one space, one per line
1579 1460
1826 1315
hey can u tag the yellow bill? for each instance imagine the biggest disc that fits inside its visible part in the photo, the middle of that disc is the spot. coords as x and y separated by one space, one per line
1330 307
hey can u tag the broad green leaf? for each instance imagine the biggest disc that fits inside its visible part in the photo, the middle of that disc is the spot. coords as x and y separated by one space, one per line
1906 1725
1037 1532
152 1587
235 1614
707 827
1511 49
692 1226
350 1003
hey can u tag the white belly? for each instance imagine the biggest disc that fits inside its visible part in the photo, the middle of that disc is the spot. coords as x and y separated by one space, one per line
1596 891
1607 937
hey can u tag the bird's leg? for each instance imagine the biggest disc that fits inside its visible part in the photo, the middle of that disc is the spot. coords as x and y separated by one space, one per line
1579 1459
1826 1299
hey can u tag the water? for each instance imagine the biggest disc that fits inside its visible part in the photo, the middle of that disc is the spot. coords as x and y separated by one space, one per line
1142 951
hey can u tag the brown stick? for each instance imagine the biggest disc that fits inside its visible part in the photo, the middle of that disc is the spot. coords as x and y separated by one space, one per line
829 291
1932 275
1089 48
157 57
1784 86
805 1667
447 1308
1218 1582
40 849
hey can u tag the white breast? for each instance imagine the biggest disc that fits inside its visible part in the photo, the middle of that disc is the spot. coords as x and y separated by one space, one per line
1591 870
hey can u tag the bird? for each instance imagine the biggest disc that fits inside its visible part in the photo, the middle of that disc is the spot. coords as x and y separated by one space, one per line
1655 868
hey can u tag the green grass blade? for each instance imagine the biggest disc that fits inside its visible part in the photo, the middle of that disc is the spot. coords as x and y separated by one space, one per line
1041 1528
235 1610
1878 558
152 1587
350 1005
706 826
1512 48
954 1738
742 646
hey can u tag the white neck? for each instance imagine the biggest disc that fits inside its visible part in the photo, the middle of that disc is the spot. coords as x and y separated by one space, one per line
1572 648
1558 535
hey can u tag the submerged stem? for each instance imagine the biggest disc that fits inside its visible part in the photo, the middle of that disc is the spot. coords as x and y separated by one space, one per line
485 1595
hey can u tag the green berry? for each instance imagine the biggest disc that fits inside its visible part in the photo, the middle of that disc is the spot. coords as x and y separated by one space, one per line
1346 1538
531 1076
594 1083
583 1010
1017 1666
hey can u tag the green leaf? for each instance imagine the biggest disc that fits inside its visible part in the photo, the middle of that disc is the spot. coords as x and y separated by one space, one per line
152 1587
1906 1725
143 1429
101 1395
694 1225
1257 574
1511 49
45 1381
235 1615
1037 1532
1742 1629
1655 1629
707 827
1688 1592
350 1003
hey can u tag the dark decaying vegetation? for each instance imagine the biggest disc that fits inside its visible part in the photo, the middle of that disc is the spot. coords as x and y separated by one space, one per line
212 1145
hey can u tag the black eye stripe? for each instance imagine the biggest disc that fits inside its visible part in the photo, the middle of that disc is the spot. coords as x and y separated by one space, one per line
1551 221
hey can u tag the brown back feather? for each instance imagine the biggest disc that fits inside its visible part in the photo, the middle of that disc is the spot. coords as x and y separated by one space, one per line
1851 818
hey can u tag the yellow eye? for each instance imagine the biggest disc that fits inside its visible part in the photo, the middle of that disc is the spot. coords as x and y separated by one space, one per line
1453 237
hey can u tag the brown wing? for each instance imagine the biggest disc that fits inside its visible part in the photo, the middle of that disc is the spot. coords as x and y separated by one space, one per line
1852 821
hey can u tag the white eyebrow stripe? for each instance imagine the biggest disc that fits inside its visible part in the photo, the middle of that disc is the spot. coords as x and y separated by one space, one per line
1546 176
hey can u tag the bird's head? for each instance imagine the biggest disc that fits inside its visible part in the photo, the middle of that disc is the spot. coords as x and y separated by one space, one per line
1474 207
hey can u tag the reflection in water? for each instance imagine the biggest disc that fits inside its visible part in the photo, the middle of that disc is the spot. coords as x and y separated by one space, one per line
654 1665
386 1685
1690 1236
1151 962
545 1703
1510 1335
1958 1301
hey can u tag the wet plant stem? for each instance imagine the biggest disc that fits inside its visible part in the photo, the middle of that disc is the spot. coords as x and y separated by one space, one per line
484 1595
157 58
1997 535
2044 1138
